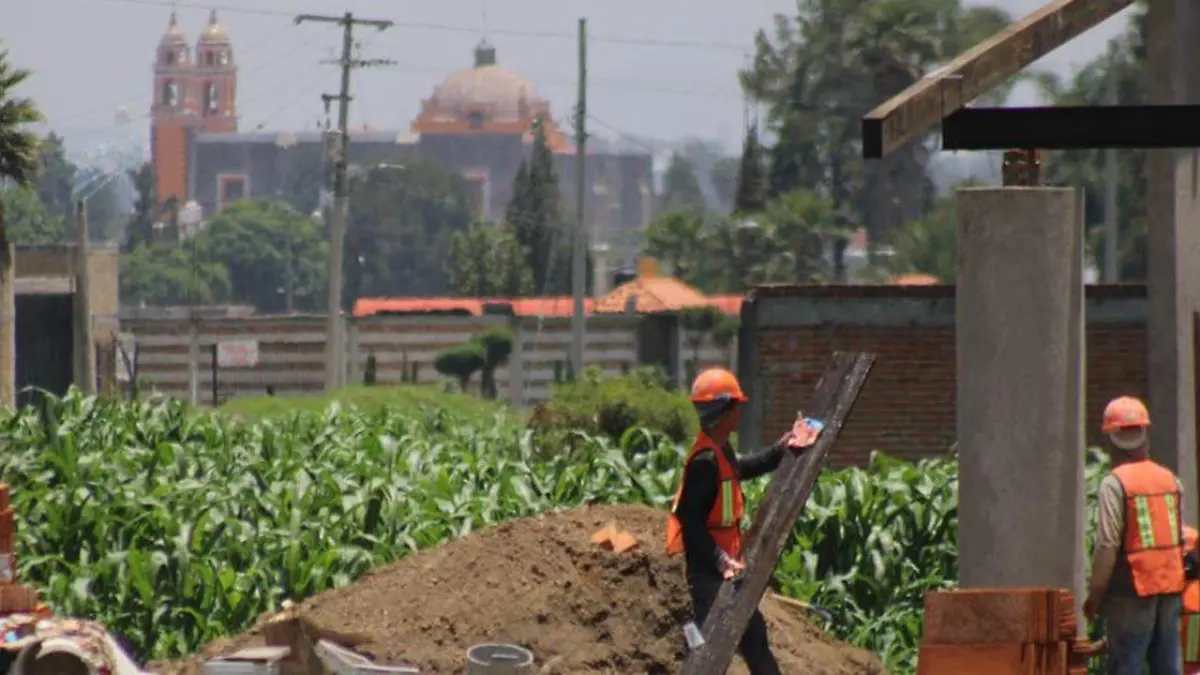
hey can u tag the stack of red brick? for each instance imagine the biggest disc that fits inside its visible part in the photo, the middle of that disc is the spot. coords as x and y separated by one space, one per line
1029 631
14 598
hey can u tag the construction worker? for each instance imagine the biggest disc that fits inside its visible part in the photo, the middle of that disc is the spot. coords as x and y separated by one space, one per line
1189 628
1137 565
705 520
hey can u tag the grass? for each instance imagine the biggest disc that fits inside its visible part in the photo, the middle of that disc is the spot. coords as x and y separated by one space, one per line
368 399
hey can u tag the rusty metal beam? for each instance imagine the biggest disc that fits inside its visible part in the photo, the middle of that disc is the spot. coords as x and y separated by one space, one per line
977 71
776 517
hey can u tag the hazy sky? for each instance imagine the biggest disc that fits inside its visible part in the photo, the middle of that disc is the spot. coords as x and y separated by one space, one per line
92 56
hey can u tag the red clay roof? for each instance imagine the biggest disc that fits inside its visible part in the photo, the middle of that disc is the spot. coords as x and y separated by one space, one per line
916 279
730 304
552 306
652 294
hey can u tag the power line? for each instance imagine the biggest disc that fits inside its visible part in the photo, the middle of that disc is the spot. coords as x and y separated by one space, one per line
629 138
564 78
630 41
255 46
255 95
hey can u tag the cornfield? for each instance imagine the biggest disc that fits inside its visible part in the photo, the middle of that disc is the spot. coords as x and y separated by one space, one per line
175 528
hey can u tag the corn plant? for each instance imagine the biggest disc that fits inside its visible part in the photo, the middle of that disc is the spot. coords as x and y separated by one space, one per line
175 528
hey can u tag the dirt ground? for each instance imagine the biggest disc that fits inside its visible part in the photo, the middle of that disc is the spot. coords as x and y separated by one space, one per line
540 583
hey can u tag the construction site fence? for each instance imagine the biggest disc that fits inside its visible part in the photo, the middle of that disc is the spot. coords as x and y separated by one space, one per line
291 353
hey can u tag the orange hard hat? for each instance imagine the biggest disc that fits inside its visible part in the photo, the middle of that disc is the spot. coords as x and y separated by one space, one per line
1190 536
716 384
1125 412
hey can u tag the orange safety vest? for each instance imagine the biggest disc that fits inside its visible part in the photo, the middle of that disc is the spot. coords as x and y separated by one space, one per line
1190 628
724 521
1153 540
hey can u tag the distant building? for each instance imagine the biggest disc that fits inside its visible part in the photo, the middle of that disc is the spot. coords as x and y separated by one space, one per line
476 123
195 92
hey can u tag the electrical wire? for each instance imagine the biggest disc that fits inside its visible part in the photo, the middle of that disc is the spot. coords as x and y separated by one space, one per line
630 41
628 138
302 44
568 79
140 95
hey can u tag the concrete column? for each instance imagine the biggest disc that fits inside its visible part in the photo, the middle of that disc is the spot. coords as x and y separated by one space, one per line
516 366
85 343
8 328
354 358
1173 249
1019 335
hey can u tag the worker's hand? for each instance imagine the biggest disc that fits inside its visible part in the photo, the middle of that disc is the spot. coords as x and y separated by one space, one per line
804 433
731 568
1091 606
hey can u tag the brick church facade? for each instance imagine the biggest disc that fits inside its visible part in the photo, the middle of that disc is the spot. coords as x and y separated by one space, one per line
476 123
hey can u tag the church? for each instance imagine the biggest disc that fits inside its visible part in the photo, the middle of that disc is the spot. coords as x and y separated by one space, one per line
477 123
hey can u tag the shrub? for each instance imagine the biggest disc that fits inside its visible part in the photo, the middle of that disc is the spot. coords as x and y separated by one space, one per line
497 345
614 407
460 362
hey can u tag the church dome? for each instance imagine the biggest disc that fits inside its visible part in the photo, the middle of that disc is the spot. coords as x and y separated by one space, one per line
174 35
214 32
505 94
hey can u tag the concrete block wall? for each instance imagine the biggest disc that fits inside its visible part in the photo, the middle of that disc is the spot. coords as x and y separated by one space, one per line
292 351
907 408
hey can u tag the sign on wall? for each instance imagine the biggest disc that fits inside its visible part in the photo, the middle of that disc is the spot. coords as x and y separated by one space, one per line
237 354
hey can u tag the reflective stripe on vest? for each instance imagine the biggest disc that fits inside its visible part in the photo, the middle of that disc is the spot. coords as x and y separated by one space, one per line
727 504
1145 522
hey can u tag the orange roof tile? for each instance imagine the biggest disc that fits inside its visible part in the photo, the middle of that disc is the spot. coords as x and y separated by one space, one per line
916 279
730 304
650 295
550 307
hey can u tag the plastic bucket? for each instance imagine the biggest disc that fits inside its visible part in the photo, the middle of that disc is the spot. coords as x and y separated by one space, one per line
499 660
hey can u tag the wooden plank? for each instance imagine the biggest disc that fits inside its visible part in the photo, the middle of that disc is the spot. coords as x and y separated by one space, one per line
1073 127
776 517
977 71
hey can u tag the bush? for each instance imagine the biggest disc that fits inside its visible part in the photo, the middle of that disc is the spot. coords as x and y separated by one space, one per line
614 407
497 345
461 362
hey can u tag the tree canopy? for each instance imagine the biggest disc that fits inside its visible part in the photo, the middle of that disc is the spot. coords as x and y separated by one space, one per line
275 257
402 222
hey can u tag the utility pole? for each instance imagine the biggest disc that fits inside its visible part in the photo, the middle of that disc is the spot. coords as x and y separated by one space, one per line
85 348
1112 273
579 250
335 370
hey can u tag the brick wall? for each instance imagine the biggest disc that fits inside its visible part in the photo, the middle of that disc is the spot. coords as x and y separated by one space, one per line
907 407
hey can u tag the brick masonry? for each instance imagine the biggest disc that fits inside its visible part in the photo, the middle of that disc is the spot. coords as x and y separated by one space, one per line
907 408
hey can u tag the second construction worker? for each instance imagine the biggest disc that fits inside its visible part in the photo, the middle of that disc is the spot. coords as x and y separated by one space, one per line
1138 562
705 520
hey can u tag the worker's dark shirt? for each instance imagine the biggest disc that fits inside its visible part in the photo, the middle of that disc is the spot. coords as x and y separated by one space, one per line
700 486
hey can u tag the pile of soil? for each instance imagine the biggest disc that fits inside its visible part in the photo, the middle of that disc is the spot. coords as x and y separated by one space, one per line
542 584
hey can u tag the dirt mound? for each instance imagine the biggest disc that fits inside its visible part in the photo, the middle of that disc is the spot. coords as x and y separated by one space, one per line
540 583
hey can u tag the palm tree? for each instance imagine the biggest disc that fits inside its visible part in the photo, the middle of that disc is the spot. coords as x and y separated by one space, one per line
18 165
18 146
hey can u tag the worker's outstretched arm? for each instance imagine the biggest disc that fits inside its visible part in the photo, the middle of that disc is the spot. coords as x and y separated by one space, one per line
695 503
761 463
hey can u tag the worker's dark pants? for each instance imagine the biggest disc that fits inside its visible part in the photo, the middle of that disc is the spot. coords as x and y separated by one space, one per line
754 647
